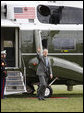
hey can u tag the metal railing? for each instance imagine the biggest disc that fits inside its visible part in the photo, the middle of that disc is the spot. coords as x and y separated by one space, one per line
23 69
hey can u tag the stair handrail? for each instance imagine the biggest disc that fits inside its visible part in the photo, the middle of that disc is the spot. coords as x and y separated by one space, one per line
24 73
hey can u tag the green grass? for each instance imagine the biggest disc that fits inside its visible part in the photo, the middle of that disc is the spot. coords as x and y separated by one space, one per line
23 102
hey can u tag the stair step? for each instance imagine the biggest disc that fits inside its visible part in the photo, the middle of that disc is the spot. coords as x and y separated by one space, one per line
14 87
13 78
14 83
15 90
9 75
13 73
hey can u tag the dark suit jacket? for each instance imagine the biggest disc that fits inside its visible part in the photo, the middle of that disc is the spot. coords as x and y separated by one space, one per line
3 71
42 65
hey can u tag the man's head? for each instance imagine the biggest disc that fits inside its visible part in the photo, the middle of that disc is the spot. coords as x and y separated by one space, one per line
45 52
3 54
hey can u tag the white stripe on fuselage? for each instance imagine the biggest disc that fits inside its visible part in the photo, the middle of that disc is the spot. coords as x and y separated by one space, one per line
67 64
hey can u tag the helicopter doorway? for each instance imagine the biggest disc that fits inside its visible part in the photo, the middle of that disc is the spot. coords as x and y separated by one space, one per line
9 42
45 43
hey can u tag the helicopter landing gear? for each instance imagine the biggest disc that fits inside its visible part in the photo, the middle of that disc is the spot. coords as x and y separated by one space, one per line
48 92
30 90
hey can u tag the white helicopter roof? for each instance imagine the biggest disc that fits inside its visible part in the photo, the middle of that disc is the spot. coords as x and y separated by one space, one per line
8 23
78 4
51 27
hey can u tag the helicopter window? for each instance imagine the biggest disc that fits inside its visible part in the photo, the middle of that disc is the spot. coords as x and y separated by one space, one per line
59 15
8 44
28 43
63 43
56 40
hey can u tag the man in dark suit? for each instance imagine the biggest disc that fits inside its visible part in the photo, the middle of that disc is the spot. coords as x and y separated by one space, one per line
44 71
3 73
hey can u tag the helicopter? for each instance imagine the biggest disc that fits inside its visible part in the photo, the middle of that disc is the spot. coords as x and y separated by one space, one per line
27 26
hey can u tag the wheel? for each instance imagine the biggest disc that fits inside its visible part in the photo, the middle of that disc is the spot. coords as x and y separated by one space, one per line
48 92
30 90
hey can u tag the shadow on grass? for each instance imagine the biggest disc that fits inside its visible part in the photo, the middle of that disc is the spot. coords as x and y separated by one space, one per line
26 95
76 95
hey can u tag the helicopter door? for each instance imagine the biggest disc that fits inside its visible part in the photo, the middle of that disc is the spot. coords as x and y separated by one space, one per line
9 41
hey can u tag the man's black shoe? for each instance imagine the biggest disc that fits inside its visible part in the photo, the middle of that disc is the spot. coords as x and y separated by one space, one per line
39 98
43 98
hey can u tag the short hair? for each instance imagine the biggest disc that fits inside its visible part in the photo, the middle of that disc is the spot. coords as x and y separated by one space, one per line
45 50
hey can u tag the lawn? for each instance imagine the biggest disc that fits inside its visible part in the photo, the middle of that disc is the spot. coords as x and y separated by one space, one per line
73 101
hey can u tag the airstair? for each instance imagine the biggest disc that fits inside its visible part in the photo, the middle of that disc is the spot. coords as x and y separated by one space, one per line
16 80
14 83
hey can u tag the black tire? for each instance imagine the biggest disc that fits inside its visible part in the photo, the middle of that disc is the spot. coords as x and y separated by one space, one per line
48 92
29 90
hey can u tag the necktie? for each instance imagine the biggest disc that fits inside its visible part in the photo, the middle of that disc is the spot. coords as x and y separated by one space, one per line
46 61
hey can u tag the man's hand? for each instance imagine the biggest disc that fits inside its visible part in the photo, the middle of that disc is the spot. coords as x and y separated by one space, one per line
51 76
38 50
